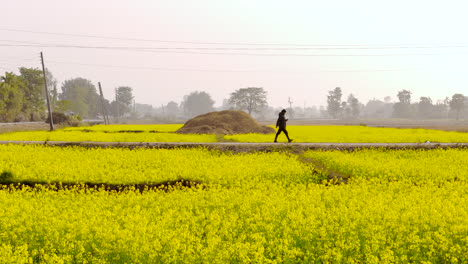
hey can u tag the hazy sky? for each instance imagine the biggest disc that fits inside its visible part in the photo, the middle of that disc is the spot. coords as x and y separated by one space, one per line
297 49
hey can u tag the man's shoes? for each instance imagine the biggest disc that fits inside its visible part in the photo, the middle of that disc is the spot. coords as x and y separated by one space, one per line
290 140
275 141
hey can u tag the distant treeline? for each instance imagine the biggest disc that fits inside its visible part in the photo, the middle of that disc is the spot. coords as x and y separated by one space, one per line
450 107
22 97
453 107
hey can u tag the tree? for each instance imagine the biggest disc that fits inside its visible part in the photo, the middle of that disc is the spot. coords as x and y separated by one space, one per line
404 96
82 95
197 103
251 99
34 94
425 107
11 97
62 106
457 103
403 107
334 102
172 109
354 106
375 108
124 100
52 87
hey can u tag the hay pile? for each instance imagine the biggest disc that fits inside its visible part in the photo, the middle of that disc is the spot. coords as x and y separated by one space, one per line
224 123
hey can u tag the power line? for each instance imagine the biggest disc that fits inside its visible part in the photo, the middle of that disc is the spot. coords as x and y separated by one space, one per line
149 68
318 47
200 43
232 71
9 59
150 40
221 53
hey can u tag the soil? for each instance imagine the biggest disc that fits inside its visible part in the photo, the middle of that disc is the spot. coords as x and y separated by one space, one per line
23 126
226 122
166 186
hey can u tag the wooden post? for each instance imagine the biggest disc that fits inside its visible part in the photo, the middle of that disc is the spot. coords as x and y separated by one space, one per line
47 94
103 103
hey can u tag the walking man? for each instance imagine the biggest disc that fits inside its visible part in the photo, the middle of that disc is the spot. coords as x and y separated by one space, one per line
281 124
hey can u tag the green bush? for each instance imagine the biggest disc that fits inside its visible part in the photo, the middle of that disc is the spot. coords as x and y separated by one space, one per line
62 118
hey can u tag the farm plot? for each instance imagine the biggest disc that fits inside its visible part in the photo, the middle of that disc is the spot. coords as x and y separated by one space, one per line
157 128
256 207
414 166
36 163
356 134
311 134
99 136
365 223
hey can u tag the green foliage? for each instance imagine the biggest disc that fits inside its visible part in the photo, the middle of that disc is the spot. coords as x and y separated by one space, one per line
34 94
457 103
403 108
82 95
404 96
6 176
334 108
123 101
11 97
251 99
197 103
425 107
353 107
62 118
63 106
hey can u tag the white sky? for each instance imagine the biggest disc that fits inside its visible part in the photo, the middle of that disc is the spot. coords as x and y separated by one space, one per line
432 34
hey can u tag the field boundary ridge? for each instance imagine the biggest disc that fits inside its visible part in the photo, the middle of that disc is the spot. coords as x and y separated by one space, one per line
242 147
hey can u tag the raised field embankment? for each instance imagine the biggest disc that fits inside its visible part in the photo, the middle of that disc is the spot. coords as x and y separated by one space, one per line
243 147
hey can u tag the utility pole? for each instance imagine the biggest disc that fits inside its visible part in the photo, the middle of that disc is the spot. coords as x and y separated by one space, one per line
103 103
290 106
51 123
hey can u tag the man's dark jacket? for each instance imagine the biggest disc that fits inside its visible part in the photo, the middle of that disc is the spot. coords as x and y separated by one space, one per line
281 123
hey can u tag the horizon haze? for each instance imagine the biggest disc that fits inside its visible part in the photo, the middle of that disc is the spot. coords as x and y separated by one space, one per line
301 49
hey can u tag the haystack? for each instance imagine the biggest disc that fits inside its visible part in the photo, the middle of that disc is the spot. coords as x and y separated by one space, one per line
226 122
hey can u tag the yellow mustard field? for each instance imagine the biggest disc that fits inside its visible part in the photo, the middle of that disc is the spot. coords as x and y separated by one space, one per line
365 223
415 166
356 134
311 134
61 135
117 165
124 128
256 207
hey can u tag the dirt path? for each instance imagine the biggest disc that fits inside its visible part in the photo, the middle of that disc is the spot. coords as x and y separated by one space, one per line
244 147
